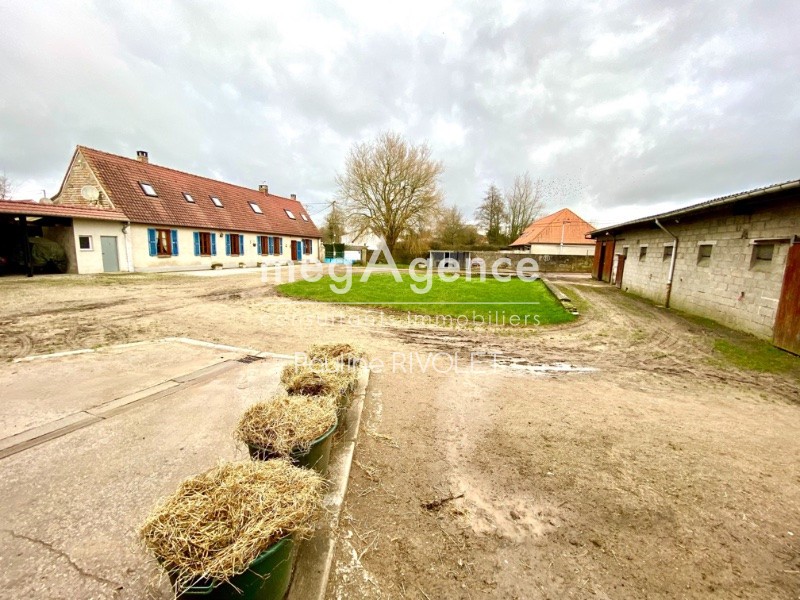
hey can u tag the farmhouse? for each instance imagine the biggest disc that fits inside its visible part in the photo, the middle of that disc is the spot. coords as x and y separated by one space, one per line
121 214
734 259
561 233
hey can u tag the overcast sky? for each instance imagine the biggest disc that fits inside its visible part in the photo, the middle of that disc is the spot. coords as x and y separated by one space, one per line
622 108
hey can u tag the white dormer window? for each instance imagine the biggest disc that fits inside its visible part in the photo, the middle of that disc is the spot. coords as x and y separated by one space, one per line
290 214
305 218
256 208
148 189
217 202
188 197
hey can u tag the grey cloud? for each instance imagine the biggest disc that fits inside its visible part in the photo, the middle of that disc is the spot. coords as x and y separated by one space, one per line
613 104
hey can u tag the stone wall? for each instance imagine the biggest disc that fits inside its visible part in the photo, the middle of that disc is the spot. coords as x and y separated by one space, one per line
731 286
548 263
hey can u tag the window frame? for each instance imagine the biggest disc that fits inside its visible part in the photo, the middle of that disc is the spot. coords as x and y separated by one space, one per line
304 217
215 200
189 198
703 258
168 252
763 261
290 214
205 236
91 243
307 247
144 186
669 250
239 249
256 208
643 252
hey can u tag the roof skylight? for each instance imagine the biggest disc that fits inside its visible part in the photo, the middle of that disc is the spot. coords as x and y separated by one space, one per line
148 189
305 218
188 197
256 208
217 202
290 214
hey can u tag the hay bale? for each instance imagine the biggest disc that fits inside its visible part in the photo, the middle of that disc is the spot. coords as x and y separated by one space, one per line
217 523
346 354
286 423
316 380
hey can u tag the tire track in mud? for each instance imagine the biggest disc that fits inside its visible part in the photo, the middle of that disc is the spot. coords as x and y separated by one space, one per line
616 333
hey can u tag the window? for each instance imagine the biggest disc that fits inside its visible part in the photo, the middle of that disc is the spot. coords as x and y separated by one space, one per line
163 242
234 244
264 245
763 252
668 250
304 217
704 254
642 252
148 189
205 244
85 242
307 246
290 214
217 202
256 208
188 197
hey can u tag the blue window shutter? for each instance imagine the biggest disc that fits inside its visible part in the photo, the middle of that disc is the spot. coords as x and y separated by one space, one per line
197 243
151 241
241 245
258 241
174 235
213 244
270 245
280 245
300 248
228 244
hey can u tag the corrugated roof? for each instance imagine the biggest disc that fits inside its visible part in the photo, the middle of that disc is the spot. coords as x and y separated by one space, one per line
550 229
701 207
121 176
29 207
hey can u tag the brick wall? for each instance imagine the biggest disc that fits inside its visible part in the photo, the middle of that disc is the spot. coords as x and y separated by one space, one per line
548 263
730 286
78 176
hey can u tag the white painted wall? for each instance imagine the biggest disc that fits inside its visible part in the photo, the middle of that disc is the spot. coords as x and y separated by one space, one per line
91 261
186 260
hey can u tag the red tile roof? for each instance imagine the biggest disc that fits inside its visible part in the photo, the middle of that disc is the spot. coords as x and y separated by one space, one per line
120 178
549 230
34 209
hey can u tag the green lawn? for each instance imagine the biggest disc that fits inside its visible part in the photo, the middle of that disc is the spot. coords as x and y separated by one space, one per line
516 303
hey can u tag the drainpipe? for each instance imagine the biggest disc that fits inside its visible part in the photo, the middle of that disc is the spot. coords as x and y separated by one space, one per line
671 261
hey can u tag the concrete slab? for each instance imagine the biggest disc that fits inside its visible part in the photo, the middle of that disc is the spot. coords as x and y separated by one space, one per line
39 392
72 506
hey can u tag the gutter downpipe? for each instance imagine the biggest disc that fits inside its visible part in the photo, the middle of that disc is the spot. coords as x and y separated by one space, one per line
671 261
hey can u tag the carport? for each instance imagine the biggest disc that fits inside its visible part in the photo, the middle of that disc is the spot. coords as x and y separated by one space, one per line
25 224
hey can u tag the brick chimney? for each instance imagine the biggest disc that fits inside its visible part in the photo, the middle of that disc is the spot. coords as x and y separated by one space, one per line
263 188
141 156
294 196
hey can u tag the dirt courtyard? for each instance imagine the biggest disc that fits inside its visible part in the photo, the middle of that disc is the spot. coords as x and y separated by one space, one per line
618 456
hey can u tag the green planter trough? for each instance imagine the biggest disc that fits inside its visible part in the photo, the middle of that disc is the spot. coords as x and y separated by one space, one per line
267 578
317 456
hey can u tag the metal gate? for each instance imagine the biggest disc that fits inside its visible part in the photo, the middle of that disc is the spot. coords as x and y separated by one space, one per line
786 333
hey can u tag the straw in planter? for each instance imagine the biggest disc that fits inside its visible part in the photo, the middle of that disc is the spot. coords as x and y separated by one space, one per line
218 522
306 380
346 354
286 423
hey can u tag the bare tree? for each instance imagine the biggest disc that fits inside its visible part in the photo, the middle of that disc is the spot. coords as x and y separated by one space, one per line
451 229
523 205
491 215
5 187
334 227
390 188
